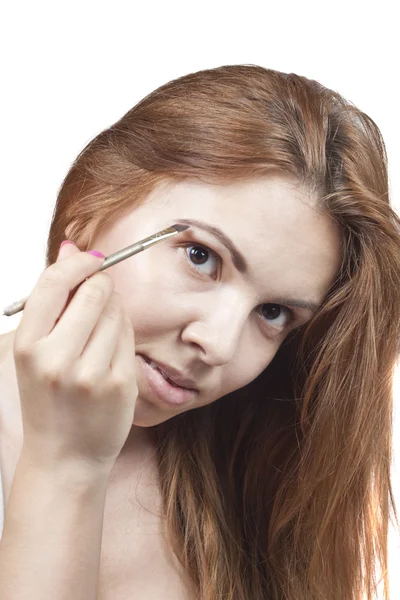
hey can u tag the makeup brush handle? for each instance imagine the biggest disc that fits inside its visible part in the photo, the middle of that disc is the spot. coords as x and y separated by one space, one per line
15 307
113 259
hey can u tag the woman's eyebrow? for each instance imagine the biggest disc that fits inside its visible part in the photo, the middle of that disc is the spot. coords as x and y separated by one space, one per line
237 257
311 306
240 262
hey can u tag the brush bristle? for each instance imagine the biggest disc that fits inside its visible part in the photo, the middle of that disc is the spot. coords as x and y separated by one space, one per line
180 228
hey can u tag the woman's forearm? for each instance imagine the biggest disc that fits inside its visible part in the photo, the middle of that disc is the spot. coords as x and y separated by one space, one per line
52 534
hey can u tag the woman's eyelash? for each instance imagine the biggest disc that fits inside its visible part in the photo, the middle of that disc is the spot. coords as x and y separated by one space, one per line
291 314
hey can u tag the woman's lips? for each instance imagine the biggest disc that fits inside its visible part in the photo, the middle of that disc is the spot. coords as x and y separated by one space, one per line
175 376
164 390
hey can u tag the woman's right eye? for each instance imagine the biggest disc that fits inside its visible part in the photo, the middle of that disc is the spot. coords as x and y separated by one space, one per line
198 256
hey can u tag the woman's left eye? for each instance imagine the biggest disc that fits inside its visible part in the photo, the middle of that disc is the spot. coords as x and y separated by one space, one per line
199 255
274 308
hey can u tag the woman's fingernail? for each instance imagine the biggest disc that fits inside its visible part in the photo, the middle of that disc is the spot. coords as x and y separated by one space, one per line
67 242
96 253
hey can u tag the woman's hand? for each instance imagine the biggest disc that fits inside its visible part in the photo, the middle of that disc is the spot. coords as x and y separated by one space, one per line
74 353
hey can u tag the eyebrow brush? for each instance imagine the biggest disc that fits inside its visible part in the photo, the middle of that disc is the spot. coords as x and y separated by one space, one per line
113 259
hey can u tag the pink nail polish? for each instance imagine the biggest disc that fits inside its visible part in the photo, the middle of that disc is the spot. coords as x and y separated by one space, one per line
67 242
95 253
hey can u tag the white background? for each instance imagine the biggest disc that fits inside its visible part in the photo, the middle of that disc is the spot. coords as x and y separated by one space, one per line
71 69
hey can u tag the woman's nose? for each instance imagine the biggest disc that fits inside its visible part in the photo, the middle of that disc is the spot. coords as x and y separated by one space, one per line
218 333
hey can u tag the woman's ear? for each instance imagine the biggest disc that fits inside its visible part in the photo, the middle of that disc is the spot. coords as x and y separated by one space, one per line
84 235
69 231
82 238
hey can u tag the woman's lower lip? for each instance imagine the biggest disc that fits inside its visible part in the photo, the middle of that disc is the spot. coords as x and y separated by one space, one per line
164 390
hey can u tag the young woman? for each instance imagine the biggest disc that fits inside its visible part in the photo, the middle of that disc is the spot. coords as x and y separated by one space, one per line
266 472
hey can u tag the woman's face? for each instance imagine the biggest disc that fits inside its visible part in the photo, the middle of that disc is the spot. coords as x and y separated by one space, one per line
193 307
